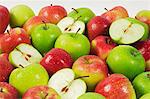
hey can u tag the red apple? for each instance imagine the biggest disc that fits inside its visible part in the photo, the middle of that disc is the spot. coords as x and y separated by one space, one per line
91 66
55 60
115 13
97 26
41 92
101 46
5 67
53 13
33 22
10 40
7 91
144 48
116 86
4 18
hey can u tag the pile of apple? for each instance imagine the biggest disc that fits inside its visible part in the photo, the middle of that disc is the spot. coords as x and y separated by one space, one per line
78 55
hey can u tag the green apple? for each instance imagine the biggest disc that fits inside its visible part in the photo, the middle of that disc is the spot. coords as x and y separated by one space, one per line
126 60
64 82
19 15
91 95
44 37
145 96
70 25
83 14
141 84
24 55
128 31
24 78
75 44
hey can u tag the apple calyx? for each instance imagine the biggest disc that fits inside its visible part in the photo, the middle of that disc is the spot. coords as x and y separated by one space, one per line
134 53
108 41
148 76
2 90
45 27
43 95
75 10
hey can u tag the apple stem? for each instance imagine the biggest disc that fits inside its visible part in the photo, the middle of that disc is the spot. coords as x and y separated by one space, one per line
45 25
82 77
8 32
75 10
106 9
78 18
51 4
21 66
77 32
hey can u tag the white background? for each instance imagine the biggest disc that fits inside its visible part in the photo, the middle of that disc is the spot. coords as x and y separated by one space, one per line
133 6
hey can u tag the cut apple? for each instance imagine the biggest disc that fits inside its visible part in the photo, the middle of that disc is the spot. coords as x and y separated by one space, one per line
124 31
66 85
69 25
24 55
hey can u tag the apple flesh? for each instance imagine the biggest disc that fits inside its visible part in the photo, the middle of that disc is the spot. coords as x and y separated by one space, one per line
91 66
69 25
53 13
24 55
41 92
64 82
116 86
4 17
91 95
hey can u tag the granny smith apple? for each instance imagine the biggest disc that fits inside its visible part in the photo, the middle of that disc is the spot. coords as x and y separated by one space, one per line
145 96
24 78
91 95
126 60
44 36
75 44
83 14
128 31
19 15
141 84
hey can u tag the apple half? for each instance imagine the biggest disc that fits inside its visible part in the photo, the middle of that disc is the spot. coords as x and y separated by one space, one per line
70 25
66 85
24 55
127 31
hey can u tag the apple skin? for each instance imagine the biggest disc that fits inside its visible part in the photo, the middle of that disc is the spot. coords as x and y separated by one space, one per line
101 46
40 92
141 84
126 60
115 13
5 67
24 78
97 26
4 17
8 91
76 45
116 86
145 96
91 95
19 14
53 13
55 60
33 22
9 41
82 14
92 66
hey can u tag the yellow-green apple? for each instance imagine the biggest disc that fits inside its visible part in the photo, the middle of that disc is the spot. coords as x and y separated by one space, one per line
115 13
141 84
41 92
53 13
24 78
24 55
91 95
75 44
70 25
145 96
128 31
82 14
144 48
33 22
144 16
44 37
116 86
19 14
55 60
65 84
101 46
7 91
4 18
97 26
126 60
91 66
12 38
5 67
